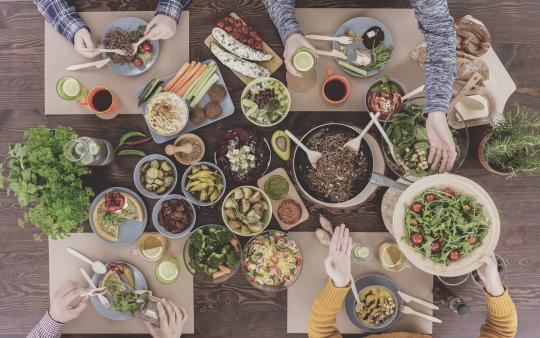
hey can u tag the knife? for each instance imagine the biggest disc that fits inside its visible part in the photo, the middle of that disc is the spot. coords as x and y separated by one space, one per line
98 64
407 298
101 298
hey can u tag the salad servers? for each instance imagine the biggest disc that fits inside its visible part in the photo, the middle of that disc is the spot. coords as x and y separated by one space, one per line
97 266
115 51
354 143
104 301
313 156
344 40
384 135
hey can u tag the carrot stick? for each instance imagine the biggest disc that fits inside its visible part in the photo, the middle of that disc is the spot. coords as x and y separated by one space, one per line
175 78
188 75
183 76
195 76
224 269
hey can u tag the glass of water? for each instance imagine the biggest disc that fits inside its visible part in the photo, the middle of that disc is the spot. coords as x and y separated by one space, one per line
89 151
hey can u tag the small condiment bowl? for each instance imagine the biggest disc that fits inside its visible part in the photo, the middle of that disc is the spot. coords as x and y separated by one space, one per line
198 140
160 228
193 199
137 176
382 117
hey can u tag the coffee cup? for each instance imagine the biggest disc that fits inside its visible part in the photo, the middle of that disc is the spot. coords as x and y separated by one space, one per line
102 101
335 89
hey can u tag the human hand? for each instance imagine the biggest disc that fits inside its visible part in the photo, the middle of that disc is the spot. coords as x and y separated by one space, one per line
82 41
489 274
442 151
61 309
171 320
161 27
338 262
294 42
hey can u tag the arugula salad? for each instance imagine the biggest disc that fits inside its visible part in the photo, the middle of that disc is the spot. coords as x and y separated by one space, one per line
444 225
407 131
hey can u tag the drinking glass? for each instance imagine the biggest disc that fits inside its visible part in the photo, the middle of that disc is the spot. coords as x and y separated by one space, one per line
89 151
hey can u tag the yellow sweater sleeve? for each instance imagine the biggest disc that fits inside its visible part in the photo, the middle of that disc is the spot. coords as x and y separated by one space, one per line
322 319
501 318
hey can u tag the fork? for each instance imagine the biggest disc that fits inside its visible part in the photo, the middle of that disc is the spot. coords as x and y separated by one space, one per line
115 50
333 53
344 40
104 301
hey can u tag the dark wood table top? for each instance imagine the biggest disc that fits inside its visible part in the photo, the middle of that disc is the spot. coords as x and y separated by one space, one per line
235 308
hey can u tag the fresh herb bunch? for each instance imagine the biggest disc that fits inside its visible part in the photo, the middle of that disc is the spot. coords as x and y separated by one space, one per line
514 143
46 182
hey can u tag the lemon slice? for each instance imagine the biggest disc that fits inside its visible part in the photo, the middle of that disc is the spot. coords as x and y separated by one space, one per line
167 272
71 87
248 103
153 253
303 61
361 252
391 257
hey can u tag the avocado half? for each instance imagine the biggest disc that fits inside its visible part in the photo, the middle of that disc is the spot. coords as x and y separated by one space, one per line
281 143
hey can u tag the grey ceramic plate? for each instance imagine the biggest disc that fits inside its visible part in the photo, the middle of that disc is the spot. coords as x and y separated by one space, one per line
130 230
359 25
140 284
157 209
130 23
362 283
137 176
227 107
194 199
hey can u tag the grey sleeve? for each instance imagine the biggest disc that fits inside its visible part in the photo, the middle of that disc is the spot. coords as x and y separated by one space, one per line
282 14
437 26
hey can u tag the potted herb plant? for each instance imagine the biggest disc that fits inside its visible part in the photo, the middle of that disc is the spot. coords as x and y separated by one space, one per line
512 146
46 183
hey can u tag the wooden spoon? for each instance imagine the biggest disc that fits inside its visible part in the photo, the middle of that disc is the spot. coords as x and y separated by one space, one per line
171 149
354 144
413 93
313 156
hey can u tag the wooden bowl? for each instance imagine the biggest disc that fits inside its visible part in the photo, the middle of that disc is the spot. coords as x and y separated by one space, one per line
459 184
183 137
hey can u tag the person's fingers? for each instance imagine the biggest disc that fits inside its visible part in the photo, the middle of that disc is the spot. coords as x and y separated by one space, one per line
89 44
444 161
155 33
344 240
150 26
437 161
163 319
170 312
81 306
335 238
179 314
184 315
452 154
431 155
73 294
289 66
349 247
151 328
67 288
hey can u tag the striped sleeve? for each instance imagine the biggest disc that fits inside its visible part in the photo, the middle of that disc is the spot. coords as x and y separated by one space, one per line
283 16
46 328
437 26
61 16
171 8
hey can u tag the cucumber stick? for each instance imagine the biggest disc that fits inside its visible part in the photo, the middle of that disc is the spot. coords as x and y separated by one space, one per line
352 68
192 91
202 91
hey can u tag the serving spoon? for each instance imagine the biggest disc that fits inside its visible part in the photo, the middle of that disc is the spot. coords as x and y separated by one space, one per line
354 144
97 266
313 156
384 135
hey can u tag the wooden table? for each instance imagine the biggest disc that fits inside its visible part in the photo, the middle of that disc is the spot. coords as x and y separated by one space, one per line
235 308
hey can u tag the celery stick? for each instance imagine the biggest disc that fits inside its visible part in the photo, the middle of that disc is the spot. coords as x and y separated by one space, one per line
352 68
193 90
203 90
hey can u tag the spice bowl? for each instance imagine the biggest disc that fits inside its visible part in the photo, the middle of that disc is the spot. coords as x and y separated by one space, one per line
161 228
191 195
196 155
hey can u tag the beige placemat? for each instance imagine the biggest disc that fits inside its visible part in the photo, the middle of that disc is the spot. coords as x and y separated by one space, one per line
300 295
63 266
406 35
59 54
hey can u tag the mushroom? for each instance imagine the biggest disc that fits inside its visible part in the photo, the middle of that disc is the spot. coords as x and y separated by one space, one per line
472 36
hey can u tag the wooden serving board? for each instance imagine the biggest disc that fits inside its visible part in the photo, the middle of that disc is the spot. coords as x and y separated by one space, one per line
271 65
292 194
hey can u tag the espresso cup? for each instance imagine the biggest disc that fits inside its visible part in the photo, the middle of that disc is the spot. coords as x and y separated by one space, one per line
102 101
335 89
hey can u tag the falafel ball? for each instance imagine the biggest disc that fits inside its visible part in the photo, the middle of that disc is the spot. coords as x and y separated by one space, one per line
216 93
197 115
213 110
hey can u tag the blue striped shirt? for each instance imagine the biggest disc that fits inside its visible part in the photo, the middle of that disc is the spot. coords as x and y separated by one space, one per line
67 22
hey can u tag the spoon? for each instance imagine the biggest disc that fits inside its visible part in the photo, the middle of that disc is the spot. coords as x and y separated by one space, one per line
354 290
384 135
97 266
313 156
135 46
344 40
333 53
171 149
413 93
102 299
354 144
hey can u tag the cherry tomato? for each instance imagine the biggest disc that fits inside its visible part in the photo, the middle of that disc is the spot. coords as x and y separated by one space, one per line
448 191
228 29
245 29
453 255
147 46
440 240
472 240
417 238
230 20
435 247
236 35
238 23
258 45
251 41
137 62
430 197
416 207
221 23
